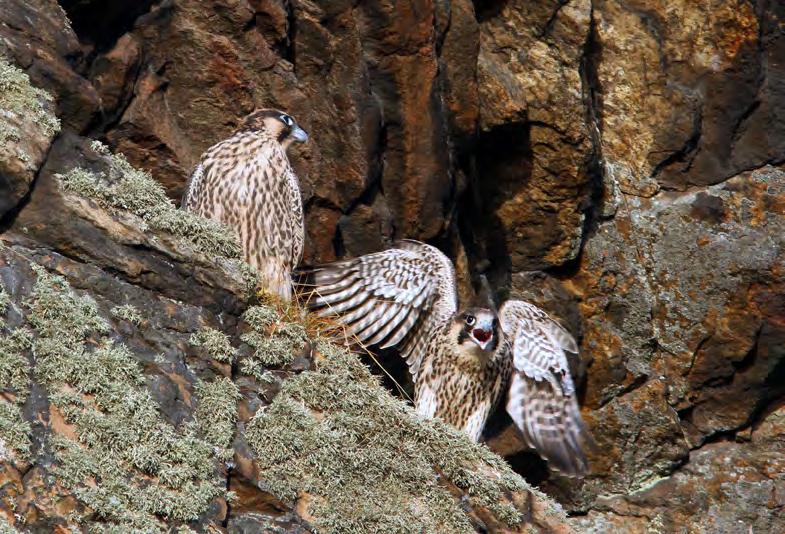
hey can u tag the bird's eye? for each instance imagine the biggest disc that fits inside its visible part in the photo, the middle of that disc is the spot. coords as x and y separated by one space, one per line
287 120
470 320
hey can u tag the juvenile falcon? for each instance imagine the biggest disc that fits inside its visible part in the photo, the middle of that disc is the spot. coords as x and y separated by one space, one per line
461 361
247 183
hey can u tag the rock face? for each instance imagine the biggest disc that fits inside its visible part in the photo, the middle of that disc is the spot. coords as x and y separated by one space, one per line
25 134
141 392
618 163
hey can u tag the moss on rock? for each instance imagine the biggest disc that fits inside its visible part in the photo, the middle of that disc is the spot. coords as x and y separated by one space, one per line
19 98
14 366
5 528
216 413
128 465
124 187
128 312
5 300
14 433
215 342
275 341
367 460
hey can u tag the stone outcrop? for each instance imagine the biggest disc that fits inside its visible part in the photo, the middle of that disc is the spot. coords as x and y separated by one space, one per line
27 130
144 389
618 163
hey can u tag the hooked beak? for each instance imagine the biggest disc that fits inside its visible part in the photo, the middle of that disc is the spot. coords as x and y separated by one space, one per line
482 334
298 134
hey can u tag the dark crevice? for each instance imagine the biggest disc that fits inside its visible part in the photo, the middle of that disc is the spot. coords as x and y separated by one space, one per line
546 30
488 9
102 23
750 358
8 219
637 383
109 123
687 152
235 374
740 127
499 166
321 202
593 203
289 52
339 248
697 351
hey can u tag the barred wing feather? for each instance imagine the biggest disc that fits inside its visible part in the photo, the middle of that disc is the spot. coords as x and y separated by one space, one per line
541 398
390 298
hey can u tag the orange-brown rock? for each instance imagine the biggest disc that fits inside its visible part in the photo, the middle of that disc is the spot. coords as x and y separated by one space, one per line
617 162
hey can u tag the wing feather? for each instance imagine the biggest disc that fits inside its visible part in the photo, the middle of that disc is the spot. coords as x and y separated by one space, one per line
389 298
541 398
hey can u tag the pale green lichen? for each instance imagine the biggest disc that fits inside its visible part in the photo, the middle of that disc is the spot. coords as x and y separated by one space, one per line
215 342
216 413
369 462
19 98
5 299
251 277
14 365
14 433
129 466
6 528
276 342
124 187
128 312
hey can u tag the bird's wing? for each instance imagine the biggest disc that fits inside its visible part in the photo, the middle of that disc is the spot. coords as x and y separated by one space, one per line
392 298
541 399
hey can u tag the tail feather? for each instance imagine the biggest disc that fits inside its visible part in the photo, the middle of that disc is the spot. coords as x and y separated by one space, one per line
275 277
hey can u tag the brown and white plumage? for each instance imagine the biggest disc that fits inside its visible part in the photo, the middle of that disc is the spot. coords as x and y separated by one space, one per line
247 183
541 398
461 361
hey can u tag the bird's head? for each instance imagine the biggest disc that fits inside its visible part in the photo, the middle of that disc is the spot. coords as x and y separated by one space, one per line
277 124
480 326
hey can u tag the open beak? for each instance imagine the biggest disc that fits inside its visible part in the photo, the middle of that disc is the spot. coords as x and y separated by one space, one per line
298 134
482 335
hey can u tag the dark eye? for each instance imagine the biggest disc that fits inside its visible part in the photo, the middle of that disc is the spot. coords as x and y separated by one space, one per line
470 320
287 120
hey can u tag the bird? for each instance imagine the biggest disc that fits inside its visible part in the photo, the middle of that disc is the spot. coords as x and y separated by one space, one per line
247 183
463 361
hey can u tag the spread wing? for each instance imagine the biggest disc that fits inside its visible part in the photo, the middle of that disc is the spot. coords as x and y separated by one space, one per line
542 399
390 298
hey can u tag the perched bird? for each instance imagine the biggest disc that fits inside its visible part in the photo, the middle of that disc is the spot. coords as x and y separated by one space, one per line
462 361
247 183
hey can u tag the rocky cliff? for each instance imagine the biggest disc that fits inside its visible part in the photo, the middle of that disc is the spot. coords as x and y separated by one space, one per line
618 163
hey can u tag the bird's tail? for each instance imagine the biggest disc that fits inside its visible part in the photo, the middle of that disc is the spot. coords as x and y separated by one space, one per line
275 277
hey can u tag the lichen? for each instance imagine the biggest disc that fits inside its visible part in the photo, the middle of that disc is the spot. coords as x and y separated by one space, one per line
128 465
276 341
251 277
128 312
215 342
5 300
19 98
6 528
216 413
368 461
14 433
14 366
126 188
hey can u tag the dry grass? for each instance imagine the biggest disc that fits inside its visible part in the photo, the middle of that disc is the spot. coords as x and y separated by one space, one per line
328 328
